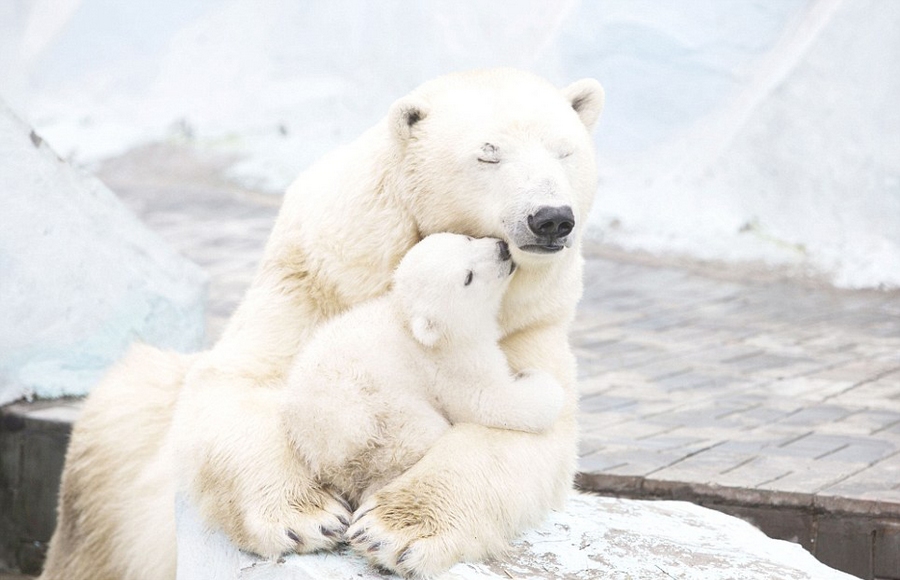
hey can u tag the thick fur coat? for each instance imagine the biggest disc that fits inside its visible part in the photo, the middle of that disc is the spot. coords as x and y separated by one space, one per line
497 153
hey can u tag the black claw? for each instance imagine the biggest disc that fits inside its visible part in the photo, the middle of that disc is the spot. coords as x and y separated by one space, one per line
344 503
403 555
357 534
343 521
327 532
374 547
360 515
294 537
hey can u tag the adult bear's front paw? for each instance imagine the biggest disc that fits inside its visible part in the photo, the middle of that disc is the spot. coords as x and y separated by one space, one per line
316 521
319 526
401 532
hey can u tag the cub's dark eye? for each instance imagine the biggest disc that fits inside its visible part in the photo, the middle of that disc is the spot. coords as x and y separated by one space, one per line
469 277
489 154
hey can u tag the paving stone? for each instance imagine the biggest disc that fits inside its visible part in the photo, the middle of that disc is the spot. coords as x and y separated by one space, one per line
771 412
859 371
883 394
863 451
600 462
747 445
603 402
813 445
817 414
707 466
866 423
806 389
878 480
816 477
610 380
588 445
599 422
626 460
632 431
759 472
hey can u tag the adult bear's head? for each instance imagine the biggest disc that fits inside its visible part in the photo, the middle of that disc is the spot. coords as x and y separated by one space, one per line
499 153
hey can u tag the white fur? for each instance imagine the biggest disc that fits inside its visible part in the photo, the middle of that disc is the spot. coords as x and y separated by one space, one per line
344 226
376 386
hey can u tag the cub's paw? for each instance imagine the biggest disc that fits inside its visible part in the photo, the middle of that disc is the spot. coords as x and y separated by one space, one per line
317 522
541 396
401 539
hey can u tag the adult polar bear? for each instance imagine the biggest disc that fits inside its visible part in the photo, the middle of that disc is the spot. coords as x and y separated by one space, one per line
497 153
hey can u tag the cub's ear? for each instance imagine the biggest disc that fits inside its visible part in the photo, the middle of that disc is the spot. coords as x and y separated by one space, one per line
403 116
587 98
425 331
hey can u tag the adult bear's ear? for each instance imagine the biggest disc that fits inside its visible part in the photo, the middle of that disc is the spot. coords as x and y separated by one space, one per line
404 115
587 98
425 330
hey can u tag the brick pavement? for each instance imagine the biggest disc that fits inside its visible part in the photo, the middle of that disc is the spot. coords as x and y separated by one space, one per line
763 385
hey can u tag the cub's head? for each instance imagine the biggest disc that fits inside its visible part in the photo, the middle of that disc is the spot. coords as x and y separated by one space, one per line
449 287
499 153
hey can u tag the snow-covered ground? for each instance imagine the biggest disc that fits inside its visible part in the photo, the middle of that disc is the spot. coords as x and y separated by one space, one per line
759 130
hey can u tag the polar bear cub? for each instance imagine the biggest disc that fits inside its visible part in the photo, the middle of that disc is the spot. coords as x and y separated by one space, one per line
376 386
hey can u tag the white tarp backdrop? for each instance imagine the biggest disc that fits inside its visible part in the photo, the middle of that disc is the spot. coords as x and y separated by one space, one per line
759 130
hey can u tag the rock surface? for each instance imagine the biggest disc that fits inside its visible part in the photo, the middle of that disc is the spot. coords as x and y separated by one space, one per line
594 537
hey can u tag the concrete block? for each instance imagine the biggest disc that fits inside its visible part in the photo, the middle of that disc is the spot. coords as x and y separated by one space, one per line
33 441
792 525
887 552
846 544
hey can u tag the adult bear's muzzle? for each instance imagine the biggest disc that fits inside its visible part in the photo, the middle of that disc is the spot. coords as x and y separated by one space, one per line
550 225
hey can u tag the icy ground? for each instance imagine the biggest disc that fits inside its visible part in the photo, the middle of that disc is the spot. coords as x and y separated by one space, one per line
759 130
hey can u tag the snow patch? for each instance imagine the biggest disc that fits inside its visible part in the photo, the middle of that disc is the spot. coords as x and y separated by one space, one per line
81 278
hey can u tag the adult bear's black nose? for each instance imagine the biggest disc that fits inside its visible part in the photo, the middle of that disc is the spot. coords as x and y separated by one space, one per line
552 221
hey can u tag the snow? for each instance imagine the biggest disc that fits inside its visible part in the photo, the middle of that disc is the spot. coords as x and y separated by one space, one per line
758 130
80 277
593 537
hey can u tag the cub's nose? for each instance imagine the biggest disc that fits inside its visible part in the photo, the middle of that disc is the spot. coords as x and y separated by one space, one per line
504 250
552 222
